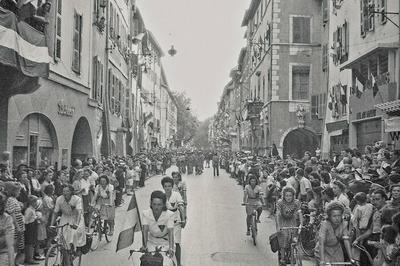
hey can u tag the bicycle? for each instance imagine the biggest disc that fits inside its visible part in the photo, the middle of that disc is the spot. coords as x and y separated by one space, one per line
153 257
253 223
292 253
98 228
308 233
337 263
64 255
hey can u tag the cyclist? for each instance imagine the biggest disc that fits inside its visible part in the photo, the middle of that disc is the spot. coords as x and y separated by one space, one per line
158 227
179 185
333 231
103 200
175 204
254 200
70 208
288 213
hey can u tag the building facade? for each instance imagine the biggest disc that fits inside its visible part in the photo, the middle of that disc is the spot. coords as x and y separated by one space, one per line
77 108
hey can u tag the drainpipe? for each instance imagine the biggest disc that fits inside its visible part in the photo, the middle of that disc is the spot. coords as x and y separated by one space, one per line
106 107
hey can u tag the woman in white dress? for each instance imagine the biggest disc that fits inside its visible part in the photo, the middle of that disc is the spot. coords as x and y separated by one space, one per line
70 208
158 227
175 204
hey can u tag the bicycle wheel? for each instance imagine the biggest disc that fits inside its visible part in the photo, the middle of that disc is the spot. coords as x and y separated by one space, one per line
297 257
307 241
96 235
254 229
106 231
77 260
55 260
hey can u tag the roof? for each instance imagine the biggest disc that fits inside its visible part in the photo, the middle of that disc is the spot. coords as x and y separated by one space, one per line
249 14
154 41
375 49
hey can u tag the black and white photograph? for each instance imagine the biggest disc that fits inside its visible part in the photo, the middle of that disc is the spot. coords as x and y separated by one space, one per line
200 132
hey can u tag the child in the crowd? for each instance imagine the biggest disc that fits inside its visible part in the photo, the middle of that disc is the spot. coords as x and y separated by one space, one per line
31 229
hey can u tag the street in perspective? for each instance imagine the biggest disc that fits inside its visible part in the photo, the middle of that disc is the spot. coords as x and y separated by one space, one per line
199 132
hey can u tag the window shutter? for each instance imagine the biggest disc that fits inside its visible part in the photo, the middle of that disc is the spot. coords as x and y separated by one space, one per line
94 78
306 30
57 50
296 27
362 25
325 11
77 43
382 9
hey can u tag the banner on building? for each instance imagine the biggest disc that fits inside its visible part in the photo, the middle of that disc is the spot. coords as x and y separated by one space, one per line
22 47
392 124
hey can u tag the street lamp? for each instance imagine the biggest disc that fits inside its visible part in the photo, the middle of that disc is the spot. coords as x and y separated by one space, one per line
172 51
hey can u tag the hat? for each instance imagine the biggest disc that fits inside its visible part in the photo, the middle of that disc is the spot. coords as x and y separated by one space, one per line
395 178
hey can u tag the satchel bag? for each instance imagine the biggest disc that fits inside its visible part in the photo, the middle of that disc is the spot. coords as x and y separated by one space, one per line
273 242
152 259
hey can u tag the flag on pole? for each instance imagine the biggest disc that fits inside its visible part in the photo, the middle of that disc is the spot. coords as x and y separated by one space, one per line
131 225
374 85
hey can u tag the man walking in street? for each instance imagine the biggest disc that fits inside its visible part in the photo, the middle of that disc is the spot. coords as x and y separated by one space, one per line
215 162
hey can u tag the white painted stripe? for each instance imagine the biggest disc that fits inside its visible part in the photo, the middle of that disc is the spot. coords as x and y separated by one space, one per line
11 40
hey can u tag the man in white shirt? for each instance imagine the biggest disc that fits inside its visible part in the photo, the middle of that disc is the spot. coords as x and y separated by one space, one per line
172 168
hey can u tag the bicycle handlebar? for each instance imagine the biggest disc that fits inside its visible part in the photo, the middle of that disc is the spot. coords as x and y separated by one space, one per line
290 228
337 263
59 226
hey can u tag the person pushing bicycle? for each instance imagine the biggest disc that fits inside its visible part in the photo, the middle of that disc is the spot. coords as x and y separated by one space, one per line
253 199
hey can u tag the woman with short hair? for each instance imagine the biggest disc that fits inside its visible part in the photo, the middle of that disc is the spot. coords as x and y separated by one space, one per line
332 232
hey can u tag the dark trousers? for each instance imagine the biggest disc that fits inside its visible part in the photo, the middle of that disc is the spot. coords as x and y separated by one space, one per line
216 170
141 180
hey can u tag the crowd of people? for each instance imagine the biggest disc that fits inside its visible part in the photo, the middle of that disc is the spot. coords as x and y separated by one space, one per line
352 200
33 200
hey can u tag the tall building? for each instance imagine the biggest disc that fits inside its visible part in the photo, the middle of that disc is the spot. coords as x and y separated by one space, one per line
76 90
284 47
363 92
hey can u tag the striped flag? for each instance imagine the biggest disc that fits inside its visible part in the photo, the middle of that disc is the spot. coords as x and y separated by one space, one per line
131 225
22 47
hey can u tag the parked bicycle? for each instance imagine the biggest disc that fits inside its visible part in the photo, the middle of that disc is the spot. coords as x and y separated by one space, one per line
98 228
63 255
308 234
292 253
253 224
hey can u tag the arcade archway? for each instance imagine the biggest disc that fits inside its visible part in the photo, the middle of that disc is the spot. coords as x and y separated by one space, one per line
298 141
82 146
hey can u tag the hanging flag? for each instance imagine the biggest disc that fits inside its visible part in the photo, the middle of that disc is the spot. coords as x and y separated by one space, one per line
343 94
331 98
22 47
131 225
374 85
360 83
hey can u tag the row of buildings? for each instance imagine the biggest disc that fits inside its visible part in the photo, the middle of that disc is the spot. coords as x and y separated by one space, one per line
315 74
89 82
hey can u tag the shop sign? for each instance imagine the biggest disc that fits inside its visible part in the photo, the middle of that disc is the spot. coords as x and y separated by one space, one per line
366 114
65 109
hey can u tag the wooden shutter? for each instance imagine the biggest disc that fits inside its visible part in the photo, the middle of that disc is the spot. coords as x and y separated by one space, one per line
306 30
58 40
296 28
362 25
325 11
94 78
77 43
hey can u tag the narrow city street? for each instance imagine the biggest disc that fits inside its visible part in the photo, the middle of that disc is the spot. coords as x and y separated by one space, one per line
215 234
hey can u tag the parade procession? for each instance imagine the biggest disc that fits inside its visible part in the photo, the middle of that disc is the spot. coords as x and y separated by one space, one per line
199 132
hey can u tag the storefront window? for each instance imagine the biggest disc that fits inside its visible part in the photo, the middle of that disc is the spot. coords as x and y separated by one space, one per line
33 149
20 156
45 157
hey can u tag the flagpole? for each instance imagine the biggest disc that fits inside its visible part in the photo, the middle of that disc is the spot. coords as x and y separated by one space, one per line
139 218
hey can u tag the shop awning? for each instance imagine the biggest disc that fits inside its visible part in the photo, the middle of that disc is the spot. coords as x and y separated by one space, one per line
392 124
377 48
337 125
389 107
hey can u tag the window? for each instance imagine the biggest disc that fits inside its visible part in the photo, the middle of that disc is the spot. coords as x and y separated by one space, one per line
263 89
382 6
301 30
314 106
57 50
341 44
97 91
383 63
300 82
111 23
367 17
325 57
325 11
77 40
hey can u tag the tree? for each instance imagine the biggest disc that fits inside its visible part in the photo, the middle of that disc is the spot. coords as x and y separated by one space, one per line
201 138
187 122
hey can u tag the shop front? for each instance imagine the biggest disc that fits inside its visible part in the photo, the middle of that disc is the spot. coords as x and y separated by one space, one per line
51 126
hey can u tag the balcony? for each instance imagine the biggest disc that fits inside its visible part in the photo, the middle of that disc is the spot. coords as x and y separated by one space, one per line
253 109
24 55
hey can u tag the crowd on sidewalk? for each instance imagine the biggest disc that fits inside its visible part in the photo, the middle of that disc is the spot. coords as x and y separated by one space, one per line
352 198
31 200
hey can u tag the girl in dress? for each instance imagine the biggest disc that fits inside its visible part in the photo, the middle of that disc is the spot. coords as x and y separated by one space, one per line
103 200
